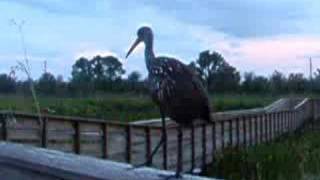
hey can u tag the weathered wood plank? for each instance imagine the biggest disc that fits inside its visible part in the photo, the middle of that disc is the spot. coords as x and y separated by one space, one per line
134 144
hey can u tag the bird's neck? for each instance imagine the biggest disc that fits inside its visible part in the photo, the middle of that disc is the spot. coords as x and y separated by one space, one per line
149 54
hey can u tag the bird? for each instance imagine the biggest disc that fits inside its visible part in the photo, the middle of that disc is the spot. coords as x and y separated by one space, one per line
175 88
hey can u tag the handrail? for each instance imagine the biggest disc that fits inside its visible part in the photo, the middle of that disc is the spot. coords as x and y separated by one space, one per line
70 118
241 130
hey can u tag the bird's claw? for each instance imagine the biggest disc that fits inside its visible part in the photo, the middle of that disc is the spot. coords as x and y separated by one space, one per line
145 164
193 172
168 177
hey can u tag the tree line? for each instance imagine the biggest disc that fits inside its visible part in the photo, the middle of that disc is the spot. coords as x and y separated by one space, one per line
105 74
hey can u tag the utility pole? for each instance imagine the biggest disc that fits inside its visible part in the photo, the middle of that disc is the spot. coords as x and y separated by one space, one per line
310 73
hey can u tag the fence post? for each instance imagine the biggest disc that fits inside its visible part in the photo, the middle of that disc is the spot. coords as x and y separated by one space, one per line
222 134
278 124
148 145
238 132
204 147
44 133
104 140
312 112
128 143
256 140
282 122
193 148
230 133
250 131
288 121
296 120
266 127
291 121
275 125
213 138
4 127
261 127
76 137
244 128
180 151
165 153
270 126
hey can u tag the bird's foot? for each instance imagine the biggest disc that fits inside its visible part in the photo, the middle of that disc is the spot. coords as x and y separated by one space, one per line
172 176
194 172
137 166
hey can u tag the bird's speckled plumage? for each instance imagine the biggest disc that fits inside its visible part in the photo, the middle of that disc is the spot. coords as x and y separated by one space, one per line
173 85
178 90
175 88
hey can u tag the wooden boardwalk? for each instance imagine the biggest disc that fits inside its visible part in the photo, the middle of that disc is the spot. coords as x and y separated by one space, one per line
133 143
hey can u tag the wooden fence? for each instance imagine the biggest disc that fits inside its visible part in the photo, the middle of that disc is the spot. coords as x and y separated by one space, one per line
133 143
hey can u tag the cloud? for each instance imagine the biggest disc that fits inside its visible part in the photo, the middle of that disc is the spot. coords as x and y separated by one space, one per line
287 53
88 53
255 36
243 18
70 7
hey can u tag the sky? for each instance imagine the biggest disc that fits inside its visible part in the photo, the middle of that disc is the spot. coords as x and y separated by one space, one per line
253 35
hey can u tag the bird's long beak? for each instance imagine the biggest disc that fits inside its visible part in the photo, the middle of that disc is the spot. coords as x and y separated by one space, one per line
133 46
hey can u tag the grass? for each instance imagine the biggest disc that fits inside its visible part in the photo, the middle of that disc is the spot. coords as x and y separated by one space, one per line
293 158
122 107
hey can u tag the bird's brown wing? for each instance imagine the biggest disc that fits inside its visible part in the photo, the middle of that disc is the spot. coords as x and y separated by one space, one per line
178 89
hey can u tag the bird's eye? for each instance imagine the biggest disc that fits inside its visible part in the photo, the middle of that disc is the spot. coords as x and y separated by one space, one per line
140 33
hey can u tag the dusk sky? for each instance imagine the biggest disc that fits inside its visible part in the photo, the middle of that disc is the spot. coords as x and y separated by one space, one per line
253 35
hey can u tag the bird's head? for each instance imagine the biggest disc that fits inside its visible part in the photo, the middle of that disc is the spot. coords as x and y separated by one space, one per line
144 35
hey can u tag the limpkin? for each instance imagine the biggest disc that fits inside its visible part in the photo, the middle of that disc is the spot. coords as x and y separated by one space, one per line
175 88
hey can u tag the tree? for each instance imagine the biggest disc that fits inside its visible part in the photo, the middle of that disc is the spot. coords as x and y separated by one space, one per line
209 64
226 79
7 84
133 80
260 84
99 73
82 76
106 71
254 84
106 68
47 84
217 74
297 83
278 82
247 82
82 69
61 86
134 76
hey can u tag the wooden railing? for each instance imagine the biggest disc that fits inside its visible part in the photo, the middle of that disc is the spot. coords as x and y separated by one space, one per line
133 143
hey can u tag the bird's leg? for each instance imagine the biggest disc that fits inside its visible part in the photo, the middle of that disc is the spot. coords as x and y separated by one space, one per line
162 140
179 153
164 137
177 175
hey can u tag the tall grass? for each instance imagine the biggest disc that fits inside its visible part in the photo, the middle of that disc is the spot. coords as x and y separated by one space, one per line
122 107
293 158
25 67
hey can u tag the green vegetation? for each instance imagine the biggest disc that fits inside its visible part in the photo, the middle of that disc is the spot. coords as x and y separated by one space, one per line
122 107
293 158
105 74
